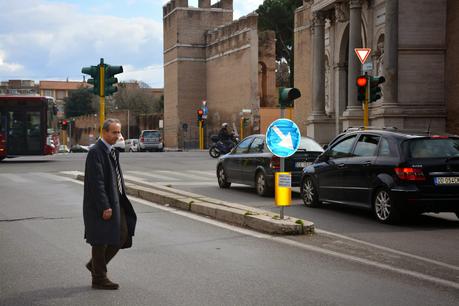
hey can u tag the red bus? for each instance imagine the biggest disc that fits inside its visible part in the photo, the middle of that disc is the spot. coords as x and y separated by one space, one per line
28 126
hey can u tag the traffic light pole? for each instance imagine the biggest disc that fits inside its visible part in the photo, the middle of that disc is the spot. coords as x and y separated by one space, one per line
282 163
365 106
201 142
101 96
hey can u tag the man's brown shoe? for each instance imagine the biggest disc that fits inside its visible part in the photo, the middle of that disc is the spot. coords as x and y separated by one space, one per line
104 284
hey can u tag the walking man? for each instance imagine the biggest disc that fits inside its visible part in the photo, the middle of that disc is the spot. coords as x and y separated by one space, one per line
109 217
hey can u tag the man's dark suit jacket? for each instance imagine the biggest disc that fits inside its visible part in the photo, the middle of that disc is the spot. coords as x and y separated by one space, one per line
101 193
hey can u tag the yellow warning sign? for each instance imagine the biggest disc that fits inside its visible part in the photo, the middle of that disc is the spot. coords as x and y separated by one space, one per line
283 188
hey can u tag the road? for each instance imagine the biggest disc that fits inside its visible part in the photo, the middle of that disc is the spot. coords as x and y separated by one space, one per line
178 258
432 236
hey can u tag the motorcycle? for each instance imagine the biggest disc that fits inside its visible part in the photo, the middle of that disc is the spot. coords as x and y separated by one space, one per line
218 147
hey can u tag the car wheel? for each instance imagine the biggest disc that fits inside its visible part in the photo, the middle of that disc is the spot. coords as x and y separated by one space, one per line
309 193
261 185
222 179
384 208
213 152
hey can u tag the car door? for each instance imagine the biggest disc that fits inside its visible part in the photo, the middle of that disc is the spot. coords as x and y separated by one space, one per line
329 169
233 161
358 169
253 159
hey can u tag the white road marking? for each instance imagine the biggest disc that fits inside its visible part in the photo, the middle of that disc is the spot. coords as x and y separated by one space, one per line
211 174
14 178
154 175
439 263
180 174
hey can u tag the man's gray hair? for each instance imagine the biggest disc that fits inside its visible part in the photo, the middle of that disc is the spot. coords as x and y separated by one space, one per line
109 121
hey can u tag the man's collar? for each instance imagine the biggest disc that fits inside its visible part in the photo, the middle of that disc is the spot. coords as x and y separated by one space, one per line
109 147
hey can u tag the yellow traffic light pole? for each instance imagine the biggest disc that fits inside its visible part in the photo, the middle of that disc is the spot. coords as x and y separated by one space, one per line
101 97
201 136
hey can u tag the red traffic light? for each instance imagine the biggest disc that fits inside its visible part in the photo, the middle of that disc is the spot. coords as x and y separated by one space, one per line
362 81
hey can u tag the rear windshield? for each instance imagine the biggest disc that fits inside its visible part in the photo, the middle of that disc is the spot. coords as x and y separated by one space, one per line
151 134
309 145
432 147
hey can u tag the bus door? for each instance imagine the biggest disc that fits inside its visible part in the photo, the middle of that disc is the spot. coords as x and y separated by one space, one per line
2 135
24 132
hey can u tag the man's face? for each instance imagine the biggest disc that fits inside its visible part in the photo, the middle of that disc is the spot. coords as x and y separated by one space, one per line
113 133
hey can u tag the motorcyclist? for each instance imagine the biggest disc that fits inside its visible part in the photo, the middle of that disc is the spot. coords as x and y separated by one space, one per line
225 136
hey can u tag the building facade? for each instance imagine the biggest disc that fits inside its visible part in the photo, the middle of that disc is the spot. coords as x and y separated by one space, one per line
18 87
208 56
59 90
413 44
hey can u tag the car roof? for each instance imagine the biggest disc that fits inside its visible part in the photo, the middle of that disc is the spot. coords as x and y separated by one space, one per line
394 133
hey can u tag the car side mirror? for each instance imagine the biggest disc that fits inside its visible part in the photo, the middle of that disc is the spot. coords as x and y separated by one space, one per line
325 147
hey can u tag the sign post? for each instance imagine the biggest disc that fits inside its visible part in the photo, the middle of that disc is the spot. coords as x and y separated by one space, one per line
362 54
283 139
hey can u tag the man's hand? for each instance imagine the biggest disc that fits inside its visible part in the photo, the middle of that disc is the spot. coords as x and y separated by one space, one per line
107 214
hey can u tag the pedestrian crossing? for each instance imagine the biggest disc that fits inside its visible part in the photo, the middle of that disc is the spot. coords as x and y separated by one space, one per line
164 177
177 178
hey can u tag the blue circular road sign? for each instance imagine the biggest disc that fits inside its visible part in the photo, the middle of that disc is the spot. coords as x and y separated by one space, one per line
283 137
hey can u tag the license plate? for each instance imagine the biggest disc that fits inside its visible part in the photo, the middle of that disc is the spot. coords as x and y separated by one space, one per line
302 164
448 180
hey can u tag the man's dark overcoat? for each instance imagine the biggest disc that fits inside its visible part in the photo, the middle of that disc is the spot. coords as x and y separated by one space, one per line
101 193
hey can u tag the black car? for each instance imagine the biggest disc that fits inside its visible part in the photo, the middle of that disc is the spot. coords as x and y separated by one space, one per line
391 172
251 163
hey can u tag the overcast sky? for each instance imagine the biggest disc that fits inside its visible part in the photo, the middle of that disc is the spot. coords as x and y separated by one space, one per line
53 40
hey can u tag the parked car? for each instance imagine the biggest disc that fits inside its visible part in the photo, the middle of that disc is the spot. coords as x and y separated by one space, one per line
63 149
120 144
390 172
150 140
79 149
251 163
132 145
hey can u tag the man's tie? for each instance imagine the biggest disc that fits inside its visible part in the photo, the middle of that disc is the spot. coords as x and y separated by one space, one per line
118 175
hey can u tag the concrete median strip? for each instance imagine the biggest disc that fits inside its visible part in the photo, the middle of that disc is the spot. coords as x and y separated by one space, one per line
233 213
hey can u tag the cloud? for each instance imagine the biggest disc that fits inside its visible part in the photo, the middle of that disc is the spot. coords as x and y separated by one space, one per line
55 40
50 39
9 67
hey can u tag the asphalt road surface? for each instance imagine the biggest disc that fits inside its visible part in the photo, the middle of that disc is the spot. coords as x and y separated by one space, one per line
177 258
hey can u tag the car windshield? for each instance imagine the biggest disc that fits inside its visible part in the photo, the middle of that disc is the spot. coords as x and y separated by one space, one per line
432 147
151 134
309 145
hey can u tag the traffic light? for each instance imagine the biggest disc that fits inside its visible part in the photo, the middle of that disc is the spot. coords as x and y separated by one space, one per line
375 90
287 95
65 123
200 113
110 80
362 82
94 72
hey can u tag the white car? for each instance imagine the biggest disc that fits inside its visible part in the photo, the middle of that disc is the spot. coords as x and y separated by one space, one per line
132 145
120 145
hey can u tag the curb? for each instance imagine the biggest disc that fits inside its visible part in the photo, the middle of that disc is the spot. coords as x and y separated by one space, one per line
233 213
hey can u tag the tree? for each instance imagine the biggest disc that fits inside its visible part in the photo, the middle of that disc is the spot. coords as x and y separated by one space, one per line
138 98
278 16
79 103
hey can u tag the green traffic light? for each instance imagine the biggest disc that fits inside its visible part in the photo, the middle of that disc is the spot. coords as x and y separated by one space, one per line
287 95
94 72
375 90
110 80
